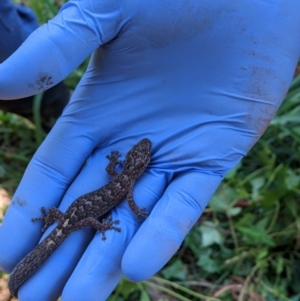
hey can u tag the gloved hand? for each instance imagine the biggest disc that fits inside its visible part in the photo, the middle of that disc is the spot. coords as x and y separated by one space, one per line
200 79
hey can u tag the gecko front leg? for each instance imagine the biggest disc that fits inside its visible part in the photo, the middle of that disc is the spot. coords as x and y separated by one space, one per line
113 161
100 226
53 215
139 212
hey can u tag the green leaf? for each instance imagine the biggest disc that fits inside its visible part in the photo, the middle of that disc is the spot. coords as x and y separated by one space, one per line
290 117
246 220
270 198
194 240
177 270
126 287
144 296
292 180
207 264
234 211
210 235
279 265
262 224
221 201
254 236
257 183
262 253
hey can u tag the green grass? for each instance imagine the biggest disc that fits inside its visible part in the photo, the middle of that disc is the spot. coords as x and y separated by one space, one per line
247 242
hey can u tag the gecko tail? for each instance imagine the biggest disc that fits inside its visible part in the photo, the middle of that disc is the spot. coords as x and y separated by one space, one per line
32 261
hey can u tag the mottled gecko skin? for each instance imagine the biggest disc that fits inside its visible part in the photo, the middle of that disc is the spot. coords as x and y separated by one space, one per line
85 210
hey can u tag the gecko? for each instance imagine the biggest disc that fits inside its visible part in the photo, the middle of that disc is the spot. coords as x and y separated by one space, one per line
86 210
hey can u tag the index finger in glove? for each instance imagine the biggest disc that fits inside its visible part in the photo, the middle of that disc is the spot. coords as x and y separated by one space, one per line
58 47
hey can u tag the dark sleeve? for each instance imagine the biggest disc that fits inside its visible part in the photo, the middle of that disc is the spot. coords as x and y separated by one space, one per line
16 23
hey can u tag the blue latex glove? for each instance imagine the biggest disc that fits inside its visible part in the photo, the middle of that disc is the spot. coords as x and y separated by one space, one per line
200 79
17 22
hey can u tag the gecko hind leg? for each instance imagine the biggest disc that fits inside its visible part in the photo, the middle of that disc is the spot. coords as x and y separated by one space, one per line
49 218
139 212
113 161
100 226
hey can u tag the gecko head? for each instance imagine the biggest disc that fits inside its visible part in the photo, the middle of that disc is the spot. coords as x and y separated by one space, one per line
138 158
